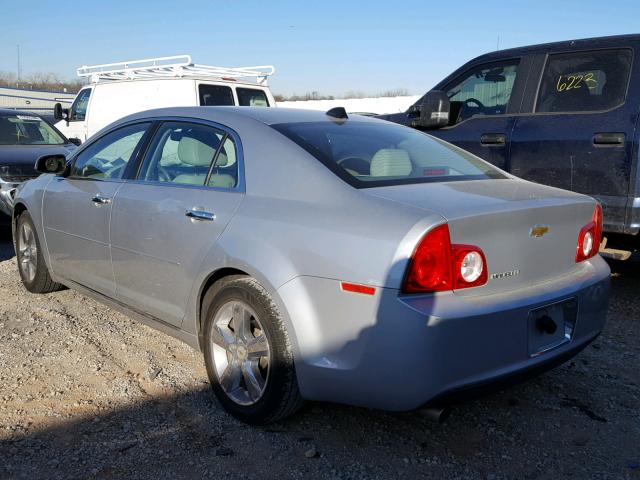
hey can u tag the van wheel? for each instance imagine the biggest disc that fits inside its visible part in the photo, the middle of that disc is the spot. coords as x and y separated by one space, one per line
248 353
33 270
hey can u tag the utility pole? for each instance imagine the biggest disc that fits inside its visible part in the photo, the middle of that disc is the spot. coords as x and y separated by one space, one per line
498 43
19 72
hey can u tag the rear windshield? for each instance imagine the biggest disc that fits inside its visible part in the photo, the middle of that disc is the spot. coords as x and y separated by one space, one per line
27 130
379 154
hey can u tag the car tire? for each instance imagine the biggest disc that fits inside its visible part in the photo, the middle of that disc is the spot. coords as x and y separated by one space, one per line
255 387
31 265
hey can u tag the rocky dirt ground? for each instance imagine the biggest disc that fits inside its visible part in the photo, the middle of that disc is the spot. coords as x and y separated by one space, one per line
87 393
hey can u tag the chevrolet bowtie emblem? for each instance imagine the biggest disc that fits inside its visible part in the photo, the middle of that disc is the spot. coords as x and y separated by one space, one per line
538 230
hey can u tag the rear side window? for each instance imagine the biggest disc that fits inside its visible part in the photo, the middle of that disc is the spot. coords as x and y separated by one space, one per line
485 90
215 95
584 81
379 154
250 97
191 154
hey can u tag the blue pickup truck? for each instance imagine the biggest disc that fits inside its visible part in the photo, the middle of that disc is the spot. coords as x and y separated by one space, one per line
564 114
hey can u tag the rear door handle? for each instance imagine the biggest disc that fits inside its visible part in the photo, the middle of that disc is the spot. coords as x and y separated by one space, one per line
493 139
100 200
609 139
200 215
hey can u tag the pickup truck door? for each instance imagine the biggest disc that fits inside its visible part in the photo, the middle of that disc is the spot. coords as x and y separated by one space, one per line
579 132
484 100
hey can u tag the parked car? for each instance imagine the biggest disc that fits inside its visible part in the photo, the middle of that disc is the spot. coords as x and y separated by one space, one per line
24 137
119 89
563 114
316 256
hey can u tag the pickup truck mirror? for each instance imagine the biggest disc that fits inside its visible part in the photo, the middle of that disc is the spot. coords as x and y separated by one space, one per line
434 111
56 164
75 140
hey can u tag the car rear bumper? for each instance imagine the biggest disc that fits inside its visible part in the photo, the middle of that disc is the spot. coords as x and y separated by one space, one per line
399 352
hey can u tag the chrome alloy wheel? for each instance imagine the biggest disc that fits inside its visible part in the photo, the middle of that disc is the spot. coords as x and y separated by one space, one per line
27 252
241 352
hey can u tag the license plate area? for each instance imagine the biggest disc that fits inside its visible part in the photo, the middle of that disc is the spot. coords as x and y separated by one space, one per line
551 326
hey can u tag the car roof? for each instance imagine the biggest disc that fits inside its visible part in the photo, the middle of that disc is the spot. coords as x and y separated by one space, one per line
11 111
582 43
268 116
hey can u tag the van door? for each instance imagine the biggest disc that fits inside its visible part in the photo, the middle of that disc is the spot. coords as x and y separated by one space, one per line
215 95
579 135
483 101
76 127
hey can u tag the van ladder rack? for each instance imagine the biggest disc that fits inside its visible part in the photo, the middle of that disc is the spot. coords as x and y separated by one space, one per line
170 67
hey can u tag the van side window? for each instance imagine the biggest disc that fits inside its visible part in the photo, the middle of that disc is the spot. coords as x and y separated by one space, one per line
584 81
250 97
485 90
190 154
78 110
211 95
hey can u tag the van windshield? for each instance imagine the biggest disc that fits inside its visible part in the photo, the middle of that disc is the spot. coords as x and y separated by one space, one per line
18 129
376 154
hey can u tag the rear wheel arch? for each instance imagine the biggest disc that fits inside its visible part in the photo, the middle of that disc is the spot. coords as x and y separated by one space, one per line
209 283
18 209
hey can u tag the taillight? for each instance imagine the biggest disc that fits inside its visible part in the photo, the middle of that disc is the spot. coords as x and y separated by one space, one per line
590 236
437 265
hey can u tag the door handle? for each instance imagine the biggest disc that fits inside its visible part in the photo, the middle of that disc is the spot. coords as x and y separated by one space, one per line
200 215
100 200
609 139
493 139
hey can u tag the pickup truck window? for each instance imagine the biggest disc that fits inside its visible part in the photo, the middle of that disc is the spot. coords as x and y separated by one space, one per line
485 90
584 81
212 95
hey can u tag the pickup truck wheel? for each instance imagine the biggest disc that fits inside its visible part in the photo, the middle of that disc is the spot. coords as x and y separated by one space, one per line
248 353
31 265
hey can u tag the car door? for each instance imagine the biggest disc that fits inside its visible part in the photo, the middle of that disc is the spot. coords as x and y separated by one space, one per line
77 208
164 223
579 134
483 101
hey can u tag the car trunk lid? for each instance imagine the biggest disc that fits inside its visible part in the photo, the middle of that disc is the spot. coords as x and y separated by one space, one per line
528 232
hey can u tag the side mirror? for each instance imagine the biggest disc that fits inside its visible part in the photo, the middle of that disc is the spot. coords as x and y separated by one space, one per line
57 111
434 111
75 140
55 164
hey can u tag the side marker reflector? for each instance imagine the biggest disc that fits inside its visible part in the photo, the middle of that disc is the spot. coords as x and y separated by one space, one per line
356 288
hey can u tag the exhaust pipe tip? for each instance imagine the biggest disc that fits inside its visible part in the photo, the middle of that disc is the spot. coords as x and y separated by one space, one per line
436 414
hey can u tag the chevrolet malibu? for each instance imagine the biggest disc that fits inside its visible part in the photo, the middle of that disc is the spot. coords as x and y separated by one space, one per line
318 256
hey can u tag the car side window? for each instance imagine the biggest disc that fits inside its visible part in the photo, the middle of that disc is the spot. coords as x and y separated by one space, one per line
191 154
584 81
212 95
78 111
485 90
107 157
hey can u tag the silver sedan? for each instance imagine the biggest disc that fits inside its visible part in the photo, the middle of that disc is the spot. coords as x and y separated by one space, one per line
318 256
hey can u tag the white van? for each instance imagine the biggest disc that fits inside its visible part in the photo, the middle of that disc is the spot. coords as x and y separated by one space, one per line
119 89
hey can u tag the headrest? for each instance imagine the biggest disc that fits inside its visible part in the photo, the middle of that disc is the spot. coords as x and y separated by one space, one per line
196 152
390 162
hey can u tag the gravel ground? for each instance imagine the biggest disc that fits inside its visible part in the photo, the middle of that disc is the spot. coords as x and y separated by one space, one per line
87 393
